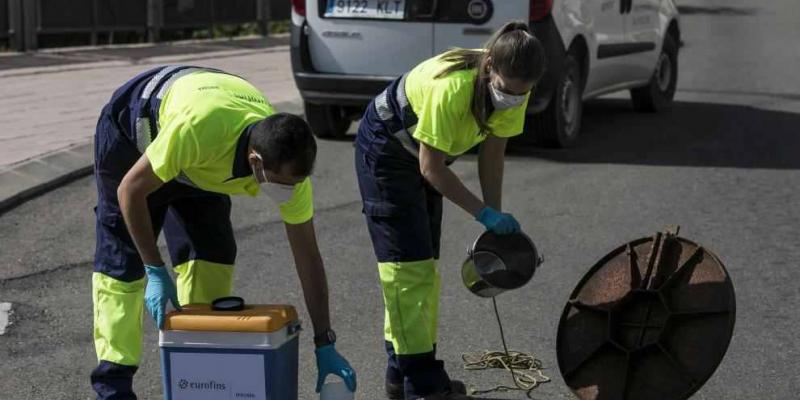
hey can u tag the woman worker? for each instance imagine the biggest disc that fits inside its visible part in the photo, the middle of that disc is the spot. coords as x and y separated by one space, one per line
408 136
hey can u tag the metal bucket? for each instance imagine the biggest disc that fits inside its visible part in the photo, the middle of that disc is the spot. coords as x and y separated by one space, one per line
497 263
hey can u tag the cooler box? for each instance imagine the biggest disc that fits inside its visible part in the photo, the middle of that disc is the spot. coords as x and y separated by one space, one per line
213 355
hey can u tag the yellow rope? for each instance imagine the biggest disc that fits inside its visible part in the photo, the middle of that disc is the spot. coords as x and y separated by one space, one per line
511 361
515 362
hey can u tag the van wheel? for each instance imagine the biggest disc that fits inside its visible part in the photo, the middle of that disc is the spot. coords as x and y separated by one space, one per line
326 121
658 94
560 123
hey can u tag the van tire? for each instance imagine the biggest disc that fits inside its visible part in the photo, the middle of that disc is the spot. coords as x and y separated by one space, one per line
658 94
327 122
559 124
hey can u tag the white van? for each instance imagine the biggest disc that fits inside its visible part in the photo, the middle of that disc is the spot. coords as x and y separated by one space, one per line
344 52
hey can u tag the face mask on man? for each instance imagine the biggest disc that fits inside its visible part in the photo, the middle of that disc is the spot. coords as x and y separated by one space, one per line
504 101
278 192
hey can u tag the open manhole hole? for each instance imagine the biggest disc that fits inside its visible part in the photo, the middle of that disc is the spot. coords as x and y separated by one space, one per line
651 320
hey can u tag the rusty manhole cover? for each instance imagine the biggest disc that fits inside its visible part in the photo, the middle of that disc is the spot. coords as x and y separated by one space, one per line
651 320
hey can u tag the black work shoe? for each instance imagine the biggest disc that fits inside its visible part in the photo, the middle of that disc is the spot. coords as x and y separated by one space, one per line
458 387
395 391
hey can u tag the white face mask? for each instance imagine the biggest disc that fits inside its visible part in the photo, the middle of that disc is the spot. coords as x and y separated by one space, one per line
278 192
504 101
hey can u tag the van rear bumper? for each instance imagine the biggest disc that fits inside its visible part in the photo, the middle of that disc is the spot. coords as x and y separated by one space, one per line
336 89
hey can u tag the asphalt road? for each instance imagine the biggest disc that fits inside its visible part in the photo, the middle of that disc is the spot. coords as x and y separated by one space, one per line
723 163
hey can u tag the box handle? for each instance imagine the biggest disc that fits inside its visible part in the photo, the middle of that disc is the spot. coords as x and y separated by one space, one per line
294 327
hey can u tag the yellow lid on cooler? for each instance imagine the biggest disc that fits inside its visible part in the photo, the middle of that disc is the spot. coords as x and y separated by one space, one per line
264 318
230 350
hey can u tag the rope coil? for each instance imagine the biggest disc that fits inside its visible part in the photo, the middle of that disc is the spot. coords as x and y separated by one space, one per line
512 361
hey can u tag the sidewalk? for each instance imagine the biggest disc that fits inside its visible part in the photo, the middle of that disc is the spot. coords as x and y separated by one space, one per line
50 100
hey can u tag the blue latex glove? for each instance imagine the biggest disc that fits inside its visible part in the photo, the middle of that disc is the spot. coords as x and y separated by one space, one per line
160 289
329 361
497 222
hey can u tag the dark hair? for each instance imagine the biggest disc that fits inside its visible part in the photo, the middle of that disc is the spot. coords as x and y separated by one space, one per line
283 139
515 54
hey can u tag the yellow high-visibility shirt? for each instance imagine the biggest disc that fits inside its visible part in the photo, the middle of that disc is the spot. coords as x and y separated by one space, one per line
203 132
443 108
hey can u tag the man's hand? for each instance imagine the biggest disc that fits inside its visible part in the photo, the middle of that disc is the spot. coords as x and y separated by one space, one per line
329 361
160 289
303 241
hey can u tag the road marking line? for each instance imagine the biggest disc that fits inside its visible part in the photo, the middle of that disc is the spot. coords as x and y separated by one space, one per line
5 313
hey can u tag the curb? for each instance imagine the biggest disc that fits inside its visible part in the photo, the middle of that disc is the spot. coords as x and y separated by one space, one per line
34 177
28 179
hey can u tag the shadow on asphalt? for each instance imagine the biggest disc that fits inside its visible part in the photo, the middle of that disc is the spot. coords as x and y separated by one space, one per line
689 134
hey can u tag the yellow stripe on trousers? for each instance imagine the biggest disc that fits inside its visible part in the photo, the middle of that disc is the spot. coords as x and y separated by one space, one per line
411 297
118 306
201 281
118 309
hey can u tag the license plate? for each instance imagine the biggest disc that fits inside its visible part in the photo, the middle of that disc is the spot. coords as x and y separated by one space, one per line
372 9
